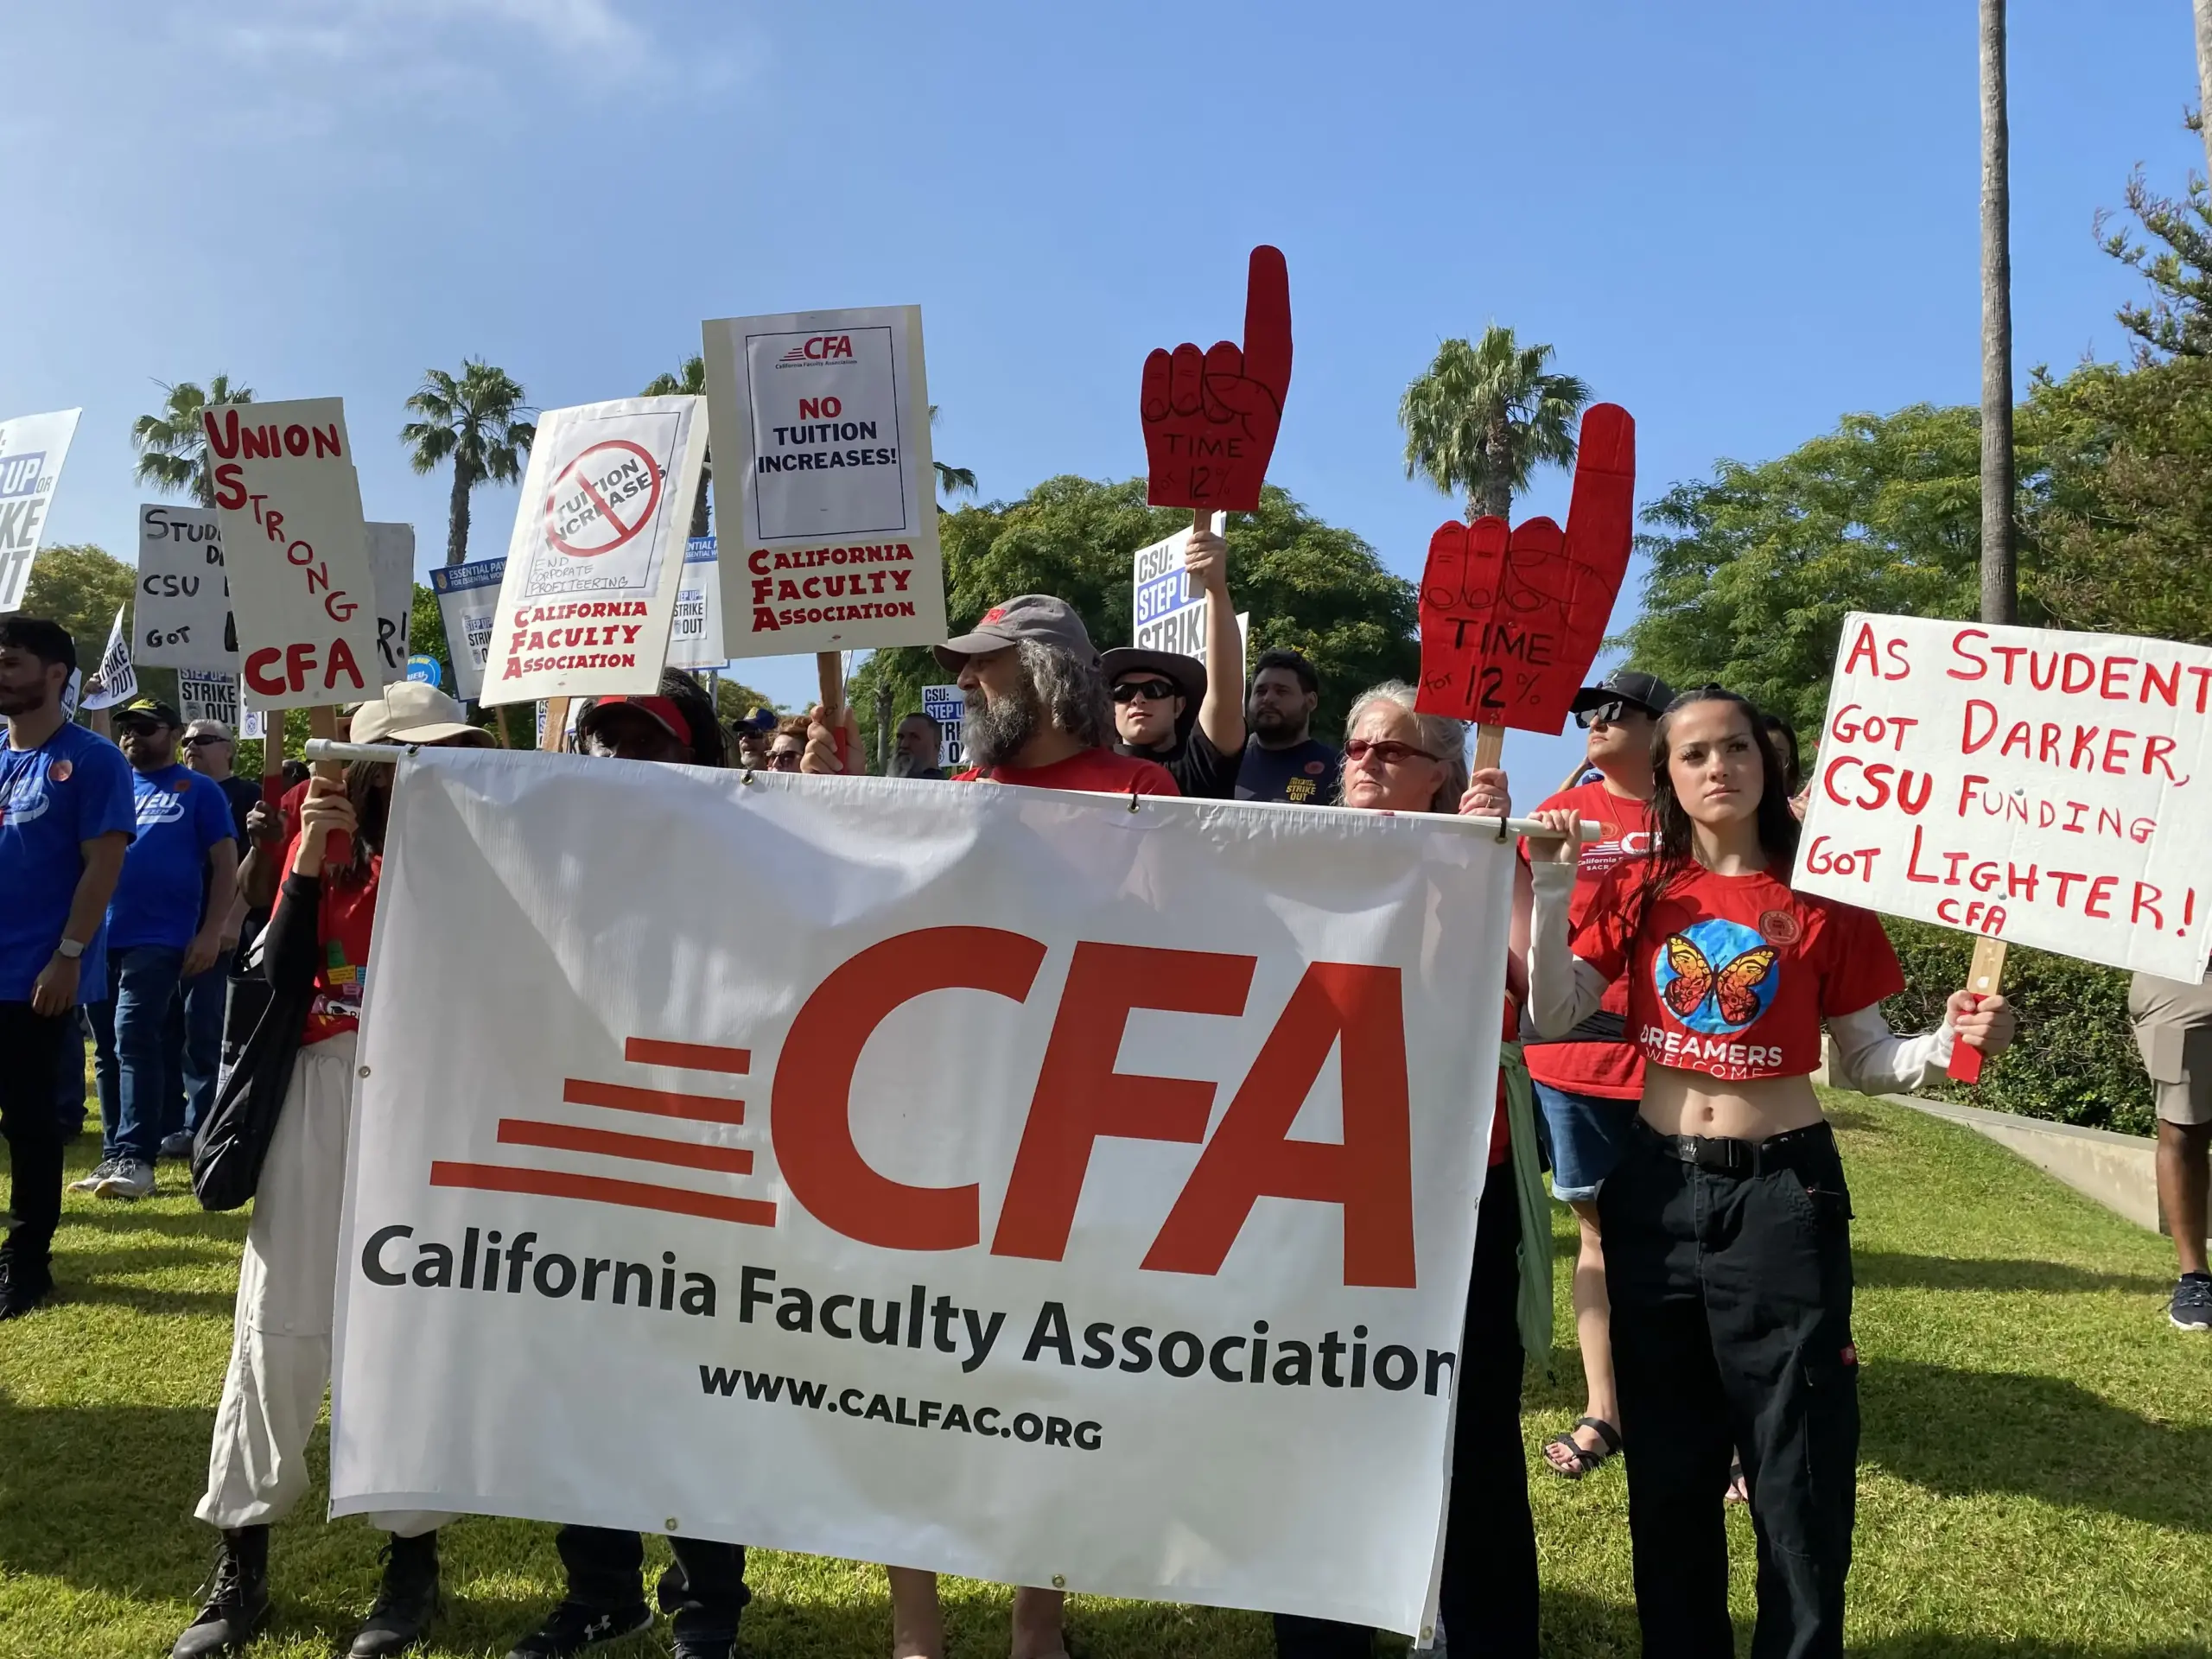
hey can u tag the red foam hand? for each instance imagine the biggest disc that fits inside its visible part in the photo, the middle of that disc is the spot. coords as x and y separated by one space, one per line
1211 418
1510 621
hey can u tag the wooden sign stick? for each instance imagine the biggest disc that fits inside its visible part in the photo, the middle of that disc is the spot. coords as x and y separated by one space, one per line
556 736
1490 746
1983 975
322 722
830 673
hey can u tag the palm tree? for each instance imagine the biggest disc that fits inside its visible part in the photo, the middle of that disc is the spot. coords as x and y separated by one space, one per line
689 381
173 446
471 421
1485 415
951 480
1999 576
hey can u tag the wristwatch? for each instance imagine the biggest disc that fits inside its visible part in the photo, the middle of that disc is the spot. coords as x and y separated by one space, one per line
69 950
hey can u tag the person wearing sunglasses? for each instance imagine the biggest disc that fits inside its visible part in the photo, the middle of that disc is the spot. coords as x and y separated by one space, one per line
1176 710
1398 761
788 747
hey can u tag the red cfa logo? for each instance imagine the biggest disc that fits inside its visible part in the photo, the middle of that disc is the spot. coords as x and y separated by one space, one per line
822 349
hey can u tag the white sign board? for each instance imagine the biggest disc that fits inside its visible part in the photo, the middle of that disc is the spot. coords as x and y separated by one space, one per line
201 695
843 1177
181 616
948 706
32 449
694 639
2048 788
391 564
1165 614
597 555
469 597
822 442
118 678
296 548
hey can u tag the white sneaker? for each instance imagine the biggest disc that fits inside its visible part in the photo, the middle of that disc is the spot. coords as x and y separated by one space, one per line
100 1172
128 1180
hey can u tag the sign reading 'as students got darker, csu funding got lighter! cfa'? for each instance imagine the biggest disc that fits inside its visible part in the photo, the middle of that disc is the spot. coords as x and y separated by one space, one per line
2042 788
828 530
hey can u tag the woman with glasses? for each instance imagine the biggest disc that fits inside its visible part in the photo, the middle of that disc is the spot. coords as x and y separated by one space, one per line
788 747
1727 1221
1396 760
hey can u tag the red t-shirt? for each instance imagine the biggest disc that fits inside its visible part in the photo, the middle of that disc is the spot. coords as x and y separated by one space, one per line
1610 1070
1093 769
1732 974
343 924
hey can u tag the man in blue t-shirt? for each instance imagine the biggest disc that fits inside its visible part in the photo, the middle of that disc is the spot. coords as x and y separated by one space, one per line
164 925
1284 761
66 817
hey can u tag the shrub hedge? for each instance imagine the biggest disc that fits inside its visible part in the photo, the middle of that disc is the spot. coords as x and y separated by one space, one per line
2075 1059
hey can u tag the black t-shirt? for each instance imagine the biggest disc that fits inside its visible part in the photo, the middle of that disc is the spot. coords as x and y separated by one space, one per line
1306 774
1200 771
242 794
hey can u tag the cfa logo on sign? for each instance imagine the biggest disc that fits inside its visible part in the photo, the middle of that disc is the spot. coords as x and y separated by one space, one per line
1347 1011
821 348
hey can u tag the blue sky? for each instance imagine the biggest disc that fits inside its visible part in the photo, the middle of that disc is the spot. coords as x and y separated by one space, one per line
1741 220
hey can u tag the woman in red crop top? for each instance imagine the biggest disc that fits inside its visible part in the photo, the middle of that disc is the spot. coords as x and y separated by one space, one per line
1727 1241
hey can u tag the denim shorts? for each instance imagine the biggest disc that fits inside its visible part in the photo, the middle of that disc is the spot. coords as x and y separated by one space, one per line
1586 1135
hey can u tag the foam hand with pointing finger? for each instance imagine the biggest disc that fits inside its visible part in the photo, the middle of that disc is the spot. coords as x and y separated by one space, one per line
1511 619
1211 418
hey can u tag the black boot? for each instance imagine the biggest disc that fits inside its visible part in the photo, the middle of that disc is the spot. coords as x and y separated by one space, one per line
238 1596
406 1601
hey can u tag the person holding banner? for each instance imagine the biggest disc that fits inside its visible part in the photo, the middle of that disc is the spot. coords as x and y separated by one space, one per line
65 820
704 1592
316 952
1398 761
1726 1221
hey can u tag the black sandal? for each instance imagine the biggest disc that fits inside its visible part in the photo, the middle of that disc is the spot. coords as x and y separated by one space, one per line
1584 1459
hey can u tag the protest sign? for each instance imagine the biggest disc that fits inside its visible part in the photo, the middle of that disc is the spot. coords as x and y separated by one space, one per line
205 695
181 616
832 1176
822 447
1168 614
2032 786
295 552
118 679
694 640
425 670
469 597
948 706
597 553
32 449
1210 416
1511 620
391 565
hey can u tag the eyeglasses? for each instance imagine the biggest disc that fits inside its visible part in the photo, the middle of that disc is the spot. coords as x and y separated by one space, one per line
1608 714
203 740
1150 690
1388 753
783 759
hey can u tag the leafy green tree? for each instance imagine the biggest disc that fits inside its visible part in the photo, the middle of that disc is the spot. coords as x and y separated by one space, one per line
689 381
80 587
172 445
1308 585
2175 257
733 700
473 421
1483 416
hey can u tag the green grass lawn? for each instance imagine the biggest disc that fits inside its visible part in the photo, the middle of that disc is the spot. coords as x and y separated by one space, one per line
2036 1478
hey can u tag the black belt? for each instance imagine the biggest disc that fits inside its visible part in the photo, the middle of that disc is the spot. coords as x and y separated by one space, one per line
1813 1146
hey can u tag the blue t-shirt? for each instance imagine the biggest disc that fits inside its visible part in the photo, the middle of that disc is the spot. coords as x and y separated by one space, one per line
72 788
158 901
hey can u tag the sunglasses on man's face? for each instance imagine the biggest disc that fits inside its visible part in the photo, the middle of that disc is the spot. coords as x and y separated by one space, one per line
1606 713
1386 753
204 739
783 759
1150 690
139 727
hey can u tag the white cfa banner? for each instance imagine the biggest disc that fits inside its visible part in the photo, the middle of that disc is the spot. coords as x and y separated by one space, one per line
296 552
32 449
998 1181
2048 788
694 638
469 597
597 553
830 526
181 616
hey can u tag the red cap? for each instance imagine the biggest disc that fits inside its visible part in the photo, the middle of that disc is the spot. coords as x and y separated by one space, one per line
664 713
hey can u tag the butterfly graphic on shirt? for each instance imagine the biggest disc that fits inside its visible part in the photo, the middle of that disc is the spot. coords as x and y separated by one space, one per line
1717 977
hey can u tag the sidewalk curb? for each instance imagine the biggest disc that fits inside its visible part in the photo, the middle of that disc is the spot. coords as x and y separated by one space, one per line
2117 1170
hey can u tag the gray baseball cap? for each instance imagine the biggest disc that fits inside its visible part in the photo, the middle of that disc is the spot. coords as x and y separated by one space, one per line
1040 617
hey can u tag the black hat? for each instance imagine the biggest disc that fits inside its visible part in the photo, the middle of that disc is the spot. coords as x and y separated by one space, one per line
1186 674
1647 691
151 709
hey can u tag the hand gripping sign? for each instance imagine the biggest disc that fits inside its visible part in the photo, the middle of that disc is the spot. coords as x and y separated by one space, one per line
1211 418
1510 620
